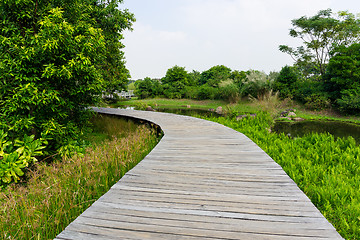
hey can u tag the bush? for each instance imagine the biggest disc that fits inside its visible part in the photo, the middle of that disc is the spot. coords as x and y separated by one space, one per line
215 75
229 91
349 101
285 83
191 92
256 83
148 88
52 61
308 88
317 101
17 155
207 92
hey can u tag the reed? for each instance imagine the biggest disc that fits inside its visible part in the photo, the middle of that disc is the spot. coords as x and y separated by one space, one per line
57 193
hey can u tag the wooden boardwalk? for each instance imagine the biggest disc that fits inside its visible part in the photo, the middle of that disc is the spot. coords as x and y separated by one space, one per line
202 181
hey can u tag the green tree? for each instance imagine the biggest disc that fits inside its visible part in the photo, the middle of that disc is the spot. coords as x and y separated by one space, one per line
238 76
175 82
320 34
113 21
215 75
50 67
148 88
285 83
343 77
194 78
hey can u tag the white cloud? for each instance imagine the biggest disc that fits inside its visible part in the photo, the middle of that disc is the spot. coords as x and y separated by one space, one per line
148 49
199 34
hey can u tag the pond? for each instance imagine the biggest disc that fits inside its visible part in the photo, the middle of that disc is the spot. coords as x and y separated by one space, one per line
292 129
336 128
188 111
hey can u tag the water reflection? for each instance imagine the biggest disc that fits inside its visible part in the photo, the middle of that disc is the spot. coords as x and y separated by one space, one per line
336 128
188 111
184 111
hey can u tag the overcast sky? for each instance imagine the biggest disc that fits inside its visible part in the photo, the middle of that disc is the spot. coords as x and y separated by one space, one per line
199 34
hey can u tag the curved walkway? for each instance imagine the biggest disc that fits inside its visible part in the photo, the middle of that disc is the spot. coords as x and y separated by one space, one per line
202 181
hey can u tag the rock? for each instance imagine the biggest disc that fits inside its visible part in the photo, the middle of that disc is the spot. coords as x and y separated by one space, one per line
149 108
284 113
298 119
188 106
292 114
240 117
219 110
211 110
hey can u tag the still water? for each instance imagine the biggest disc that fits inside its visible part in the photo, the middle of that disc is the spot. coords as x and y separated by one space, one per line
336 128
189 112
292 129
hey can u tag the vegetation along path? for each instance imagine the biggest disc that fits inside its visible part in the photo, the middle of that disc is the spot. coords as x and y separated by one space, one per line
202 181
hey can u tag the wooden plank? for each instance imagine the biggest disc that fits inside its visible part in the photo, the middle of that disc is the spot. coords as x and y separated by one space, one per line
202 181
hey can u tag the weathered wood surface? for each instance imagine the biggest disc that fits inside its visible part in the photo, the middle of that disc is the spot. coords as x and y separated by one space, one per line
202 181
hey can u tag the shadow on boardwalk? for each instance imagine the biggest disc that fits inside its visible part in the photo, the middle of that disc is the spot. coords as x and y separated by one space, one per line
202 181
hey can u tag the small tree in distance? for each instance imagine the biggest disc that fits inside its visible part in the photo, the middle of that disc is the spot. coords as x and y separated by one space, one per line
175 82
320 34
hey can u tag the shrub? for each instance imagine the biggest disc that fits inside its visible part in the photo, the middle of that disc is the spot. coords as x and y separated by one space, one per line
148 88
207 92
229 91
317 101
215 75
52 61
349 101
256 83
285 83
191 92
17 155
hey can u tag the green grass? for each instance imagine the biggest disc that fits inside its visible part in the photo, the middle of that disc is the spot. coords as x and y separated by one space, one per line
57 193
171 103
269 103
327 170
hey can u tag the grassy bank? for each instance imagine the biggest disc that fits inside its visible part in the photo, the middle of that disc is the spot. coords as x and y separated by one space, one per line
327 170
269 103
170 103
57 193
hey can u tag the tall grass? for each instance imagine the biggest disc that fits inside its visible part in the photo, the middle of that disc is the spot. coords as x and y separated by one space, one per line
57 193
327 170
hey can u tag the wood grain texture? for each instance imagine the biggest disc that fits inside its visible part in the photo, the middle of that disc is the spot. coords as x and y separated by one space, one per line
202 181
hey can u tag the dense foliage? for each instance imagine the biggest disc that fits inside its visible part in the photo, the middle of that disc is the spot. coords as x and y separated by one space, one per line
320 34
325 73
343 76
17 155
56 58
285 83
326 169
218 82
